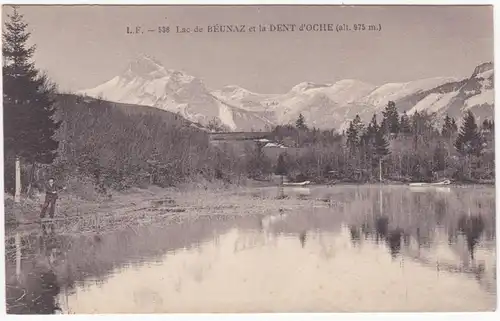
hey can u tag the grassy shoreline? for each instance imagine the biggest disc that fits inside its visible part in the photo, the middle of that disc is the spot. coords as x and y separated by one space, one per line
158 205
144 206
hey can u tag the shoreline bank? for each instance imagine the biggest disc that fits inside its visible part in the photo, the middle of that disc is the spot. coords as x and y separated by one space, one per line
162 205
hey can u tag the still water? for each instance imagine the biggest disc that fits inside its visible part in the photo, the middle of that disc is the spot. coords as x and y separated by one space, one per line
348 249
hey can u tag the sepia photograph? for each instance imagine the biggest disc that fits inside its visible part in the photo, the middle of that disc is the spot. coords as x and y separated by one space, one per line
248 159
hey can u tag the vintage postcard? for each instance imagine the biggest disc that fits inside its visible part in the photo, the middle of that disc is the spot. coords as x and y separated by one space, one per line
248 158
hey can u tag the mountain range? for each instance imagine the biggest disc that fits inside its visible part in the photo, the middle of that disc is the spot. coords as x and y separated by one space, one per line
147 82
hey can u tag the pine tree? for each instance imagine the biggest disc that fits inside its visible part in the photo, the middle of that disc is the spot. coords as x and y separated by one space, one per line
405 126
358 124
487 125
469 141
381 144
381 149
447 127
354 133
301 122
367 140
373 127
390 121
368 135
29 123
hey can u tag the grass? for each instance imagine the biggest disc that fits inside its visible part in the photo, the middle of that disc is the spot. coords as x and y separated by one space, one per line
147 206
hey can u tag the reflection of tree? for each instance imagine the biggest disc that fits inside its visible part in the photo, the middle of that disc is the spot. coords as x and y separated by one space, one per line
35 295
381 227
440 206
85 257
381 232
355 234
48 242
393 240
472 227
36 291
303 238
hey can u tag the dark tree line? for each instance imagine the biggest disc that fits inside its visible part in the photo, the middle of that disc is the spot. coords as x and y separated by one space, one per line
401 148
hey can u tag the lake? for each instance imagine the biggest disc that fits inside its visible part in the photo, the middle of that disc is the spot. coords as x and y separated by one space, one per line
348 249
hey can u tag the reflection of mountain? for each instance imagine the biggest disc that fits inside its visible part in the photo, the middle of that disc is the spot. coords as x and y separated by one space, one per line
92 258
298 223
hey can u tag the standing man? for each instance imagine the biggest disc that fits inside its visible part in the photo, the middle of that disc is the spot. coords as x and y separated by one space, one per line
50 198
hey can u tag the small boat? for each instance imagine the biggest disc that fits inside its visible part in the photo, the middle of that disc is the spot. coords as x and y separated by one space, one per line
297 184
445 182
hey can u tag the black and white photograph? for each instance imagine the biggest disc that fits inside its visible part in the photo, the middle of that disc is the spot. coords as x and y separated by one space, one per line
248 158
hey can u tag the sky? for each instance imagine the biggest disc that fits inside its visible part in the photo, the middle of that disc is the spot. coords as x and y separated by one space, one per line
81 47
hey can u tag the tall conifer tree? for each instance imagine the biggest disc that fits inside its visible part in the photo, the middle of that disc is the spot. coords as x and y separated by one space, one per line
28 97
28 104
469 141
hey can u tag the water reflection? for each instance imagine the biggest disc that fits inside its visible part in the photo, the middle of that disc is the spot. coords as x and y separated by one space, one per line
303 238
243 264
472 227
35 287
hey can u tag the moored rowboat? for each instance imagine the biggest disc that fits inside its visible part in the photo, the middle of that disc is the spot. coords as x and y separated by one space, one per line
445 182
297 184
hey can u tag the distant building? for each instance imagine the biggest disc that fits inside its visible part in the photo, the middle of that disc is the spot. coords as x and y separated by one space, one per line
240 142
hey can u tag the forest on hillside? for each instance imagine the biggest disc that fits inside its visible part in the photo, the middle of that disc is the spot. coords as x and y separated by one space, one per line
83 141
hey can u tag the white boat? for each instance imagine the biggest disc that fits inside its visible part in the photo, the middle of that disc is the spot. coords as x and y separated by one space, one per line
297 184
445 182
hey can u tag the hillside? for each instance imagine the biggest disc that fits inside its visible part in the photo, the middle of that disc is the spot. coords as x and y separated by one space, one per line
169 118
122 143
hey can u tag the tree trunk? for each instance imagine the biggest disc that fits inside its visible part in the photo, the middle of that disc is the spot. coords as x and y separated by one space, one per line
469 169
17 193
380 169
31 178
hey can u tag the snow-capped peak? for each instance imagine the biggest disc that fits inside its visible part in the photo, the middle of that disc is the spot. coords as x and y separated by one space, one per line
395 91
147 82
304 86
483 68
145 67
234 91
